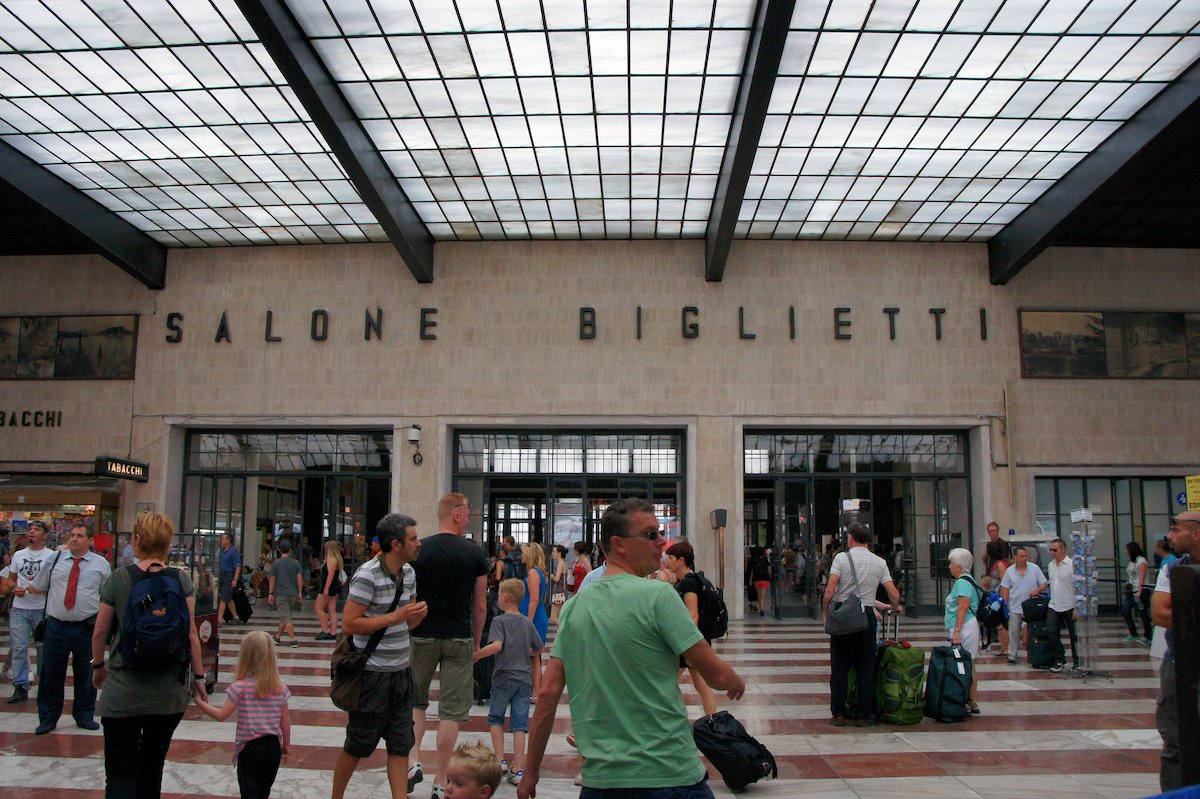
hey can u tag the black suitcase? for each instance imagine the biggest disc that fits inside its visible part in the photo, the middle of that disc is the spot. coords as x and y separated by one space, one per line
735 753
948 689
1044 652
1035 608
241 604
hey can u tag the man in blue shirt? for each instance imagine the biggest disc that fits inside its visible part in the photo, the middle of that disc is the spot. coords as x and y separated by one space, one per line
228 574
1185 540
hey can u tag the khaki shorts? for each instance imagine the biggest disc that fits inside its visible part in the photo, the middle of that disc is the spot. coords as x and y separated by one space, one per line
457 678
284 605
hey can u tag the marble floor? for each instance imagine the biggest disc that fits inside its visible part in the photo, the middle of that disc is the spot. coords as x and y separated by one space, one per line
1039 733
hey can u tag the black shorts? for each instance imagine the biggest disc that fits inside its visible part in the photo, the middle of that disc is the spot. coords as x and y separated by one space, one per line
385 710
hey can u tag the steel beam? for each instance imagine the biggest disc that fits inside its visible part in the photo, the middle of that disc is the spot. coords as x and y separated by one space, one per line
763 54
309 78
1065 203
105 231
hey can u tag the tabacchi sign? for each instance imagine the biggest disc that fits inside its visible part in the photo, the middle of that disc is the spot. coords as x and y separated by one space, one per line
122 469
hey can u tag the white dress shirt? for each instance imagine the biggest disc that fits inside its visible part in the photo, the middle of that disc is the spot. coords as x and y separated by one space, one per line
93 571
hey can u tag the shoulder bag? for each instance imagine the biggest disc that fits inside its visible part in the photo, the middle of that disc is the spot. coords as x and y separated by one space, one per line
346 664
39 632
847 616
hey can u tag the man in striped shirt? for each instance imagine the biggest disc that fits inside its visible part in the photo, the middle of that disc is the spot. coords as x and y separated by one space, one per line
387 694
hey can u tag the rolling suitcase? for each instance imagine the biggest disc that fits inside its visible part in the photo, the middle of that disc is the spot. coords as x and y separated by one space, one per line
1044 652
735 753
899 679
241 604
948 690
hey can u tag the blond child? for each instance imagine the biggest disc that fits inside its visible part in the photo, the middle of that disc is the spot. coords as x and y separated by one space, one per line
516 644
472 773
264 732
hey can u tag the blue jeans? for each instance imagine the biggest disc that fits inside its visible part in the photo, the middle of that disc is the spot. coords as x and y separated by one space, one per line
21 623
514 694
698 791
63 640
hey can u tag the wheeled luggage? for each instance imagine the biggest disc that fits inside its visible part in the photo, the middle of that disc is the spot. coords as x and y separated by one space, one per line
735 753
899 679
241 604
948 689
1044 651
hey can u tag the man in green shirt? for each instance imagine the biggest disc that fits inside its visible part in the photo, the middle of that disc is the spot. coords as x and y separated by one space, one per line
618 649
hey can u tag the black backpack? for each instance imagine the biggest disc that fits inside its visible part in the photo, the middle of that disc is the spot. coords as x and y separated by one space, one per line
514 569
713 618
735 753
984 614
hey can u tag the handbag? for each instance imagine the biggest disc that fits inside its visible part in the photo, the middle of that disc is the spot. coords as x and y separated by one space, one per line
847 617
346 664
558 598
39 632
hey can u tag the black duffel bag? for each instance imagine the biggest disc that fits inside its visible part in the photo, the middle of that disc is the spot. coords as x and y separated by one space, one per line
1035 608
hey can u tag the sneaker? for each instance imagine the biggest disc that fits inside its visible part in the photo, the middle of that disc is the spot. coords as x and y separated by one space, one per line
503 766
838 721
1146 641
1129 639
415 776
1012 661
974 708
437 792
515 777
275 638
295 644
18 695
1058 667
579 779
865 723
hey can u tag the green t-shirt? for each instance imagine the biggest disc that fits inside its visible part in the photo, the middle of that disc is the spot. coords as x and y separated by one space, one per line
619 642
962 587
127 692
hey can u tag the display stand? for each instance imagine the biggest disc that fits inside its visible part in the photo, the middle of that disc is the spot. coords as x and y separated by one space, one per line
1087 599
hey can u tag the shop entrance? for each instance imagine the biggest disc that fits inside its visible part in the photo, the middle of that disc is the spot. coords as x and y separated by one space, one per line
796 512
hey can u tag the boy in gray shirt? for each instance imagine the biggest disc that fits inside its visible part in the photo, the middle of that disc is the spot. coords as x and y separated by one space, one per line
515 643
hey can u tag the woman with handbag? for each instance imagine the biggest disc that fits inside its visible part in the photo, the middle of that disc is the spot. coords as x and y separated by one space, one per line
849 605
558 581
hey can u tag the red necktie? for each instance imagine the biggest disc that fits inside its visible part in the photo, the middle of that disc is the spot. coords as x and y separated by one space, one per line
72 585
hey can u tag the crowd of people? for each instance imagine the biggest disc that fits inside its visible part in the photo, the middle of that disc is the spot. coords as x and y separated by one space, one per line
619 647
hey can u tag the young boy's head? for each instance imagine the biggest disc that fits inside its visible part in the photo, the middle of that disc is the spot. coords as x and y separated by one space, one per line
473 771
512 591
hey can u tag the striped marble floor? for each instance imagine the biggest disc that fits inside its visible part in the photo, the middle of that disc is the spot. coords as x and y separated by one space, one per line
1039 733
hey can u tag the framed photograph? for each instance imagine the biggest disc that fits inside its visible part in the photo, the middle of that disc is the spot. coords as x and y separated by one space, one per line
37 347
1063 344
96 347
10 335
1146 345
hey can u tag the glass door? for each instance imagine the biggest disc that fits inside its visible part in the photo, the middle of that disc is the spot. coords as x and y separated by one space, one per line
797 552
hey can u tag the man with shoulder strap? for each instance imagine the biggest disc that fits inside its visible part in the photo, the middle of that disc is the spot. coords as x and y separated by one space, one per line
1060 575
73 588
1184 536
856 573
28 606
386 700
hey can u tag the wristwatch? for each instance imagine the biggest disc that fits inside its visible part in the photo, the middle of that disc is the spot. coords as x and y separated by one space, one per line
96 665
198 677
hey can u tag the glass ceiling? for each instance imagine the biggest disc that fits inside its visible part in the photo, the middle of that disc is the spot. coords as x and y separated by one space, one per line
896 119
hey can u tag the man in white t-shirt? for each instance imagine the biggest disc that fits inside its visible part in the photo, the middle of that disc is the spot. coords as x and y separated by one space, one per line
856 650
1060 574
1021 581
27 608
1185 540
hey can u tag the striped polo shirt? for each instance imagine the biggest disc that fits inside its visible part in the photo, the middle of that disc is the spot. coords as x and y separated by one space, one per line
372 585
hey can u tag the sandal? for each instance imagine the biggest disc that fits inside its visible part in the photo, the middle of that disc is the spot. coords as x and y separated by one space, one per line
974 708
571 739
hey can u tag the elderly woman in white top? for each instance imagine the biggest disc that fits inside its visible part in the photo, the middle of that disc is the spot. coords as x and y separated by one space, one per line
961 624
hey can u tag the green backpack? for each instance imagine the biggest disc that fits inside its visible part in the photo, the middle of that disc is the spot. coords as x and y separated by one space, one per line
900 684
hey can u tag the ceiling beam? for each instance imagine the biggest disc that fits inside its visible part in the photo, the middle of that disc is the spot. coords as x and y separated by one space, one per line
106 232
1064 204
763 54
308 77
